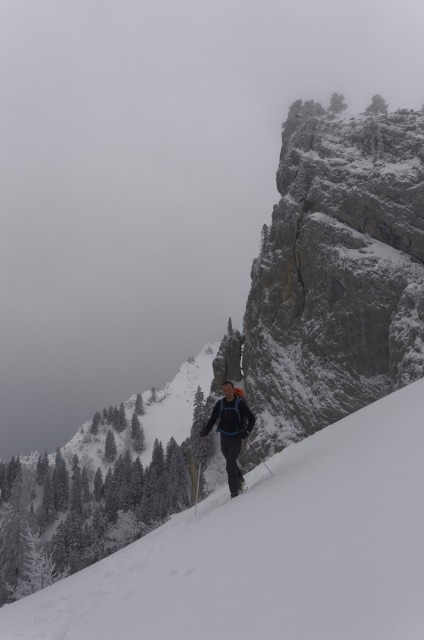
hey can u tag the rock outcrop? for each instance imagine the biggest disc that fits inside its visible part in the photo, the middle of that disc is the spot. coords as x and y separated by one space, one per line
227 364
334 318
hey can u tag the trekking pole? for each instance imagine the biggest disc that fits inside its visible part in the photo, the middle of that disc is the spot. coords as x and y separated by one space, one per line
259 456
197 489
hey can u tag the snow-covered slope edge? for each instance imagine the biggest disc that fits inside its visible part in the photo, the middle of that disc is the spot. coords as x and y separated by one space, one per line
328 548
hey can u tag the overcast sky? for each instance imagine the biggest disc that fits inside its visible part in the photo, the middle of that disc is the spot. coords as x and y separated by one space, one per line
138 147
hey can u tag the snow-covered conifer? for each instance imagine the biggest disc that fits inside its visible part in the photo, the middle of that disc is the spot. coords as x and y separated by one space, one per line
125 530
12 544
378 105
337 103
178 480
39 570
111 495
197 445
95 423
154 501
135 423
47 509
76 488
60 481
137 433
85 486
122 417
139 406
98 485
110 447
42 468
137 482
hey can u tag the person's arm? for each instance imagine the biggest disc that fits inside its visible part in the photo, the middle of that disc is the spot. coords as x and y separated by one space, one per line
214 417
248 416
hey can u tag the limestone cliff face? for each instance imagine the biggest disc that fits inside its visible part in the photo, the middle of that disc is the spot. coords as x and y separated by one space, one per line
335 315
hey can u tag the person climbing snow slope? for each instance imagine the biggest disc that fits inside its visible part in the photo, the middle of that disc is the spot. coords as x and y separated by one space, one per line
235 423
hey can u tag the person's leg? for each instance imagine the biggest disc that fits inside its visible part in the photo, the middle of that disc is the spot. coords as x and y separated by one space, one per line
231 448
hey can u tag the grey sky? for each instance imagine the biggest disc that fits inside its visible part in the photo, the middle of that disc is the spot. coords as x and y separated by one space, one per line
138 147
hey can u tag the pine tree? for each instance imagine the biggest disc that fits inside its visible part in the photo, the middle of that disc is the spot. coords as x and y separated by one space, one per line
154 500
110 414
158 458
139 442
76 488
135 423
42 468
12 544
13 471
178 480
139 407
137 482
110 447
74 541
99 522
85 486
312 108
125 530
122 417
39 569
152 395
378 105
337 103
124 481
119 420
98 485
115 419
197 445
127 466
95 423
46 512
137 433
111 495
60 481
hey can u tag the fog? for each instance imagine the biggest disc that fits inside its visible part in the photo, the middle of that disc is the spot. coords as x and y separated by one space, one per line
139 144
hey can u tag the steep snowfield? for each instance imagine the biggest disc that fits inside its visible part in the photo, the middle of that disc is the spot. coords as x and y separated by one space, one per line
329 548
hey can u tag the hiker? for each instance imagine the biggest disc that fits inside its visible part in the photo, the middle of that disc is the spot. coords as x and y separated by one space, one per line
235 422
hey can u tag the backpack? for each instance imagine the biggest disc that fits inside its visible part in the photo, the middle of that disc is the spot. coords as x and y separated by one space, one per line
239 395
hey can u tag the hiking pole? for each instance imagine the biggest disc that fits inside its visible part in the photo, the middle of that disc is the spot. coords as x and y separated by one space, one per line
197 489
259 456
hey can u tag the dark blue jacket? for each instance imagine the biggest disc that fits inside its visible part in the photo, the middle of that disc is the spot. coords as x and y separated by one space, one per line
233 417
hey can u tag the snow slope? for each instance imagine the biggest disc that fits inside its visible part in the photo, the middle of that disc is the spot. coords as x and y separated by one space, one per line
329 548
170 416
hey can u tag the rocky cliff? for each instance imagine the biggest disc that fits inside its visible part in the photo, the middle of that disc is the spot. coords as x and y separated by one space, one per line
335 315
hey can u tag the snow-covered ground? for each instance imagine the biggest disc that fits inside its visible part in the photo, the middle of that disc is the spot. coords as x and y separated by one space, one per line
329 548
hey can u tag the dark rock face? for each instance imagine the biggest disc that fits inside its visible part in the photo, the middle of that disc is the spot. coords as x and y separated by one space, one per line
226 365
334 318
